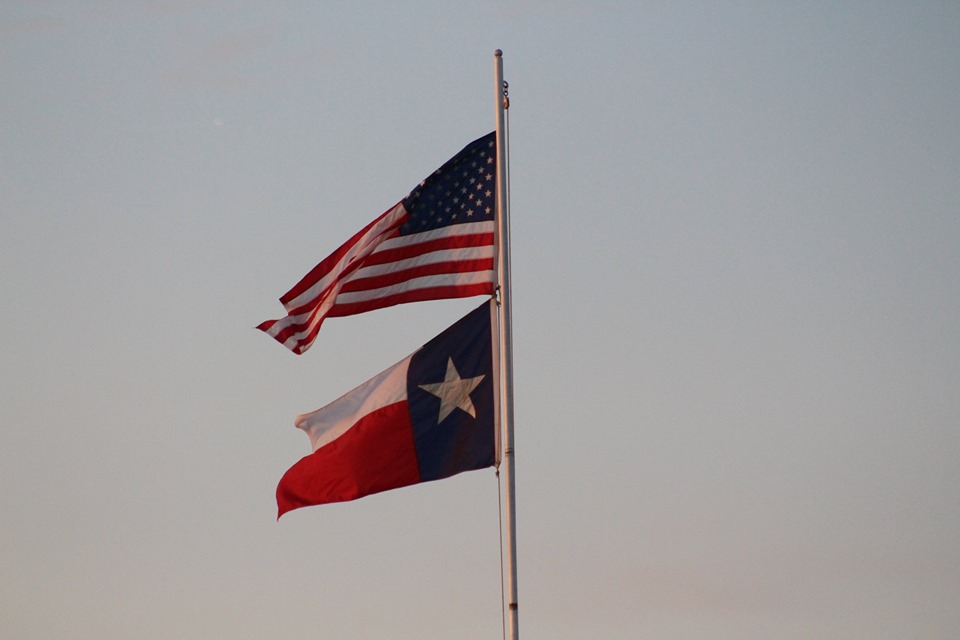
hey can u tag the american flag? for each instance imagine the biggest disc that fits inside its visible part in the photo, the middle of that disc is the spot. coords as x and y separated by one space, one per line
438 242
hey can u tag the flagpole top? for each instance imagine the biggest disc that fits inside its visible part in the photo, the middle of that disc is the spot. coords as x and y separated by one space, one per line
498 53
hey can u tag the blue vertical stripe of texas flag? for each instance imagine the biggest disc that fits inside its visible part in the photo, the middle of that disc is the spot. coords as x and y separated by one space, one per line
460 442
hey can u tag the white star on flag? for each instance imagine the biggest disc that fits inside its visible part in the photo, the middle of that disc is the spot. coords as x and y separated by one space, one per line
454 392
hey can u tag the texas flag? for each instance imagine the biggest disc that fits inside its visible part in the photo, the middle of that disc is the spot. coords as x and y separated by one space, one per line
430 416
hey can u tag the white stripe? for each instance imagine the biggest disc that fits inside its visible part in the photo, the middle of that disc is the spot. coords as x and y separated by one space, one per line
444 255
361 249
465 229
328 423
425 282
287 321
334 298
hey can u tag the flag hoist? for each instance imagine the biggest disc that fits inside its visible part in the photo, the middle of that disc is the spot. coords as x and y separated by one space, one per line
448 407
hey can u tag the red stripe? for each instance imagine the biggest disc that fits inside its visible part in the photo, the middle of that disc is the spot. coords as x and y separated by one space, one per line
352 308
340 274
266 324
330 262
313 305
291 329
394 254
376 454
436 268
415 295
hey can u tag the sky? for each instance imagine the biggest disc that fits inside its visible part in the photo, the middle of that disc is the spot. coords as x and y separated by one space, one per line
736 302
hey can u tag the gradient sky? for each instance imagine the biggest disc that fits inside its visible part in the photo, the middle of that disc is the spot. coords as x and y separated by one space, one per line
736 253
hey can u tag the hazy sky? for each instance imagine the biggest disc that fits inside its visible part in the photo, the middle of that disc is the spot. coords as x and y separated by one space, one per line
736 253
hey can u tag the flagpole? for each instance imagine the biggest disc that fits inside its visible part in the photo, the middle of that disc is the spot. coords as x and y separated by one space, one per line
506 340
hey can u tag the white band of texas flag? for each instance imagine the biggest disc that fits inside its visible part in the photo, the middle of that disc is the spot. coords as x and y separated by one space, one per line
430 416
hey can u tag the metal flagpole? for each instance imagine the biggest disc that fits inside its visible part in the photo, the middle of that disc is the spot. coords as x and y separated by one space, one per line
506 339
